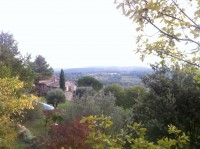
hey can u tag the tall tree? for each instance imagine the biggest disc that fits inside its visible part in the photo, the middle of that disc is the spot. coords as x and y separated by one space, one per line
42 68
9 53
171 92
62 80
168 29
11 58
8 46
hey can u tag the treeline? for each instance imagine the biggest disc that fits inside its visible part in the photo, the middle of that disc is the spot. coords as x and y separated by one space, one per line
17 77
169 97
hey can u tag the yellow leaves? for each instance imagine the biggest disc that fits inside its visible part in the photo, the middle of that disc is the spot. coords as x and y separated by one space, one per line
12 97
178 34
150 4
98 138
153 5
7 135
13 101
9 86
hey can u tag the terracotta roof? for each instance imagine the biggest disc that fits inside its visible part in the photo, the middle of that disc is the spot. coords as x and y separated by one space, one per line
54 82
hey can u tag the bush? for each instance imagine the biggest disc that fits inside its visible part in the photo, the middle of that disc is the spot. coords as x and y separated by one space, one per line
81 91
68 135
36 113
25 134
98 139
98 104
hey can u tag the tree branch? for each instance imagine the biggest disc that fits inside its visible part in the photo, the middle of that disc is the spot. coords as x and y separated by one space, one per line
169 35
196 25
180 59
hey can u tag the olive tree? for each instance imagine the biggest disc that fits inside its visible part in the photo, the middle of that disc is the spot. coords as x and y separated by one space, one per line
55 97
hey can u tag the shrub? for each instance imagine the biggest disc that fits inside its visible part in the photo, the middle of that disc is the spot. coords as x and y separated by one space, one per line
36 113
97 104
68 135
98 139
25 134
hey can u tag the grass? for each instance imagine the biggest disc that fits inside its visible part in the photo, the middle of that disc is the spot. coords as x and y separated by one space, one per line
43 100
36 127
64 105
61 105
19 144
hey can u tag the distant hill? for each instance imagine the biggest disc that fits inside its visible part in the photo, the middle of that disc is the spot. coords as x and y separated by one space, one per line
106 69
125 76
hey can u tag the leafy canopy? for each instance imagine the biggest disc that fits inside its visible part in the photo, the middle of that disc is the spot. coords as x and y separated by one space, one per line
99 139
12 62
90 81
55 97
168 29
171 92
42 68
13 102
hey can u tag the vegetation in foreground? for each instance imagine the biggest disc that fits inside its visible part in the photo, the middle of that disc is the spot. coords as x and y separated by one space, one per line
171 95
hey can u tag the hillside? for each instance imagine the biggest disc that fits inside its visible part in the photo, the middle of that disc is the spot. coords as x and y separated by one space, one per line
125 76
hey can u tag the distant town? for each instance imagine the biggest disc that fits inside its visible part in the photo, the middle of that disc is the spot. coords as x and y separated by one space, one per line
124 76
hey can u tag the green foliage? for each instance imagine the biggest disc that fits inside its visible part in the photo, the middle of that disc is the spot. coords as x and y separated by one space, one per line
132 95
64 105
117 91
25 134
41 68
98 138
125 98
62 80
8 48
4 71
55 97
33 114
52 116
13 63
171 92
82 91
90 81
97 104
173 25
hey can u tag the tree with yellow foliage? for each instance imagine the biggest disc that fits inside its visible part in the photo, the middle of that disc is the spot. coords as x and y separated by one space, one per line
168 29
12 103
99 139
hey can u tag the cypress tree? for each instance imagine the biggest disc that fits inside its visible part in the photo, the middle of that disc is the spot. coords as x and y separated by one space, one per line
62 80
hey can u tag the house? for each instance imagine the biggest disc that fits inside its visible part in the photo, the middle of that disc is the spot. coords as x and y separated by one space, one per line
44 86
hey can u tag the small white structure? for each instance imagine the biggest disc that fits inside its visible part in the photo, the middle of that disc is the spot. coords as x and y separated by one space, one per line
46 106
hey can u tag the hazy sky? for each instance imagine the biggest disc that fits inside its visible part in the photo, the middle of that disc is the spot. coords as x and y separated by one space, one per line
71 33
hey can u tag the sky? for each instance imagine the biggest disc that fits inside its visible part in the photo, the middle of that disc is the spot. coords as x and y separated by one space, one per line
71 33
